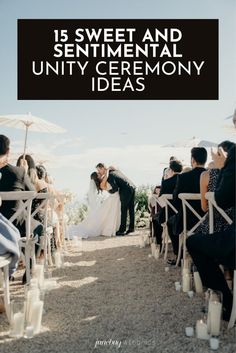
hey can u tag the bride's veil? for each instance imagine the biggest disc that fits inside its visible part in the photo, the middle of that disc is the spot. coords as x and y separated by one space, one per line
93 197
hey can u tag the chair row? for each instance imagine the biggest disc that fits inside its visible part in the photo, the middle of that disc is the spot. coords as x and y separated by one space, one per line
165 201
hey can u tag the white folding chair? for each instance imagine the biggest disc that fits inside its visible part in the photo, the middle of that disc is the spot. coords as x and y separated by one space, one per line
211 206
44 241
62 198
5 260
164 201
24 211
185 197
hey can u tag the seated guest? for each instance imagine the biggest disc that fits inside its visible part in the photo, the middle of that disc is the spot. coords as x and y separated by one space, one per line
188 182
166 170
167 187
208 251
14 179
152 201
154 207
208 183
28 163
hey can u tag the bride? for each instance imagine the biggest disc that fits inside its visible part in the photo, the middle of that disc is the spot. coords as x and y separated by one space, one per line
102 218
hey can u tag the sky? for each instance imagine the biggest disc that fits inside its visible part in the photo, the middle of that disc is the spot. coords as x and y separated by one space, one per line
127 134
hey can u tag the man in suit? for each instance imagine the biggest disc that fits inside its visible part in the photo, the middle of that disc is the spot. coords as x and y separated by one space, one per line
119 182
188 182
208 251
12 178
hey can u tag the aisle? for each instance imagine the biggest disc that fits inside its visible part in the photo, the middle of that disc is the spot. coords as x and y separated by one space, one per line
112 297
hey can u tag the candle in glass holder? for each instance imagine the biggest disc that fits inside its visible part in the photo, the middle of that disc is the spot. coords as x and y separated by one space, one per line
177 284
178 287
29 332
156 253
201 330
142 243
214 319
214 343
57 257
18 321
34 283
189 331
186 282
153 248
32 296
197 282
36 317
38 273
190 294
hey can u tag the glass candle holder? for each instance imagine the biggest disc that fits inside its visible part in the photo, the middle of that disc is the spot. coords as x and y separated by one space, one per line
17 318
214 315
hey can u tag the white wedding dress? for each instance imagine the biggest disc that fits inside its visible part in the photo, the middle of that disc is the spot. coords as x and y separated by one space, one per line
103 217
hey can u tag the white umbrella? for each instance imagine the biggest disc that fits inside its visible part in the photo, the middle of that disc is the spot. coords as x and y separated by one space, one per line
26 121
193 142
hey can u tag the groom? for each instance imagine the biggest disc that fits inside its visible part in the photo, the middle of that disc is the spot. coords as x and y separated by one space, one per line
119 182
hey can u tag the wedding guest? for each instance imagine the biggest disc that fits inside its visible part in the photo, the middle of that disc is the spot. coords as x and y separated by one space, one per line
188 182
152 202
31 168
14 179
154 208
208 182
166 170
208 251
168 185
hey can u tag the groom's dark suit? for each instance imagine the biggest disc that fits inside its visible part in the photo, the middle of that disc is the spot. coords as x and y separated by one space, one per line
119 182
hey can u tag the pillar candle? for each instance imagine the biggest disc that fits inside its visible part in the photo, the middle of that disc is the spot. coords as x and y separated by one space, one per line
201 330
32 296
18 324
153 248
57 257
214 313
186 282
189 331
142 243
197 282
38 272
214 343
36 319
157 253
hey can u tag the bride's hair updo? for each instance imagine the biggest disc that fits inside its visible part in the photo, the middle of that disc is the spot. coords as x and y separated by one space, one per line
96 180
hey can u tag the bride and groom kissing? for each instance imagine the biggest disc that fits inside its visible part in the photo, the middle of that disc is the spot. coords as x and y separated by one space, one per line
109 218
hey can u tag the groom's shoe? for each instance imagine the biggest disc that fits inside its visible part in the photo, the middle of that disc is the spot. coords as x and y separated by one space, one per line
120 234
129 231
